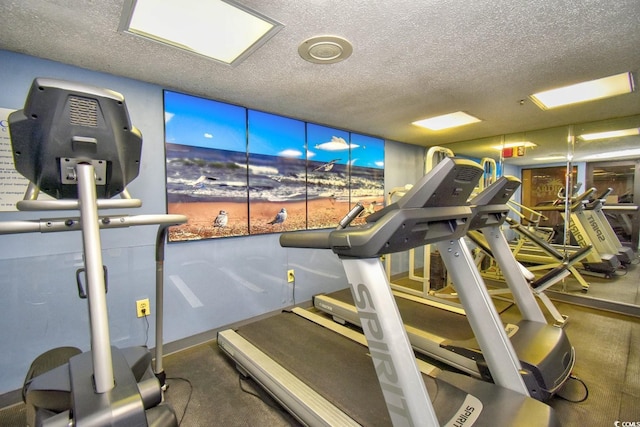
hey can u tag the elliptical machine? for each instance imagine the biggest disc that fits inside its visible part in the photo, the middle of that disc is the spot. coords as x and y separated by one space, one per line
75 143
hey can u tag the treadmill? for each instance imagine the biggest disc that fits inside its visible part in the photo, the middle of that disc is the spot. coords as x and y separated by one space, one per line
596 224
543 350
324 379
601 260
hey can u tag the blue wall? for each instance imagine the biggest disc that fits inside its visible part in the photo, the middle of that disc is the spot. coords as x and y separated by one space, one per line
208 284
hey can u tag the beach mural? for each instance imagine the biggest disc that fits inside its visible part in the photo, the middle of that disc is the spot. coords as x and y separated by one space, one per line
235 172
277 173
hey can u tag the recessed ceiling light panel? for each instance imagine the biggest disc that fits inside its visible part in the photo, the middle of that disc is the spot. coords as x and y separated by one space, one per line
549 158
634 152
606 87
221 30
446 121
609 134
325 49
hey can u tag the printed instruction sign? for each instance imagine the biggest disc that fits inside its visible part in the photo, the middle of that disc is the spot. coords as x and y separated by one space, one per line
12 184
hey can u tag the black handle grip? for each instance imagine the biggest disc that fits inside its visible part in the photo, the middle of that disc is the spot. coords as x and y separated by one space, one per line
81 292
605 193
306 239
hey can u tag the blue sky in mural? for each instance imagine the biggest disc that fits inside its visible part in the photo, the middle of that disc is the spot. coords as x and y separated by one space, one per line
367 151
199 122
327 144
275 135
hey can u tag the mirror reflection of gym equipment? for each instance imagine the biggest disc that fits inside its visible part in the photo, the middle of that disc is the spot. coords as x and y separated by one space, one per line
589 171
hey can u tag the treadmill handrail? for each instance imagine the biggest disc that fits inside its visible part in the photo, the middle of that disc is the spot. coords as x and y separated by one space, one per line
547 279
51 225
398 230
545 246
576 202
74 204
350 216
306 239
599 200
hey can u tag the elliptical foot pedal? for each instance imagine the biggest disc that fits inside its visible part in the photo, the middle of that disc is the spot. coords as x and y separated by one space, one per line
47 361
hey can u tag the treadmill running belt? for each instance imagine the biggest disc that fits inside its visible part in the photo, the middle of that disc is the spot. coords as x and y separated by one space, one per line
437 321
336 367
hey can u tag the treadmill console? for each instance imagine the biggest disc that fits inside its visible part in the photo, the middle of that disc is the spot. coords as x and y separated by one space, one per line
490 207
434 209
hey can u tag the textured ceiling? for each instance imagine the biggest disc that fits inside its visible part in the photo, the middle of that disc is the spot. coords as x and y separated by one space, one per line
411 59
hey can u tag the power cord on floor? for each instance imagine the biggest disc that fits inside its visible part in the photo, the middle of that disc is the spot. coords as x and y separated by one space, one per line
184 412
586 391
146 332
621 272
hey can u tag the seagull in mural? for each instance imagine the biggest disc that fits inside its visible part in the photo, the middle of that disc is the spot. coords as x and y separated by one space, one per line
338 140
371 208
280 217
327 166
222 219
199 183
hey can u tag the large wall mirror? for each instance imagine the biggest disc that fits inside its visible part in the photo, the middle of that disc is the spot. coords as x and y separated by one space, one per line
597 161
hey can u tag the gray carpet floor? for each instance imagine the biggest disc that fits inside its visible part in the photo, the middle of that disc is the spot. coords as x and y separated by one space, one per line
215 393
608 361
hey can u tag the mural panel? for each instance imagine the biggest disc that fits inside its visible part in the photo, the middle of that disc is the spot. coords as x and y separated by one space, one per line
277 174
206 152
327 176
367 173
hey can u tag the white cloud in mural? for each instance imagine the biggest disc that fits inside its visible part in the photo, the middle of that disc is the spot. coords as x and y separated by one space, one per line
290 153
336 144
208 135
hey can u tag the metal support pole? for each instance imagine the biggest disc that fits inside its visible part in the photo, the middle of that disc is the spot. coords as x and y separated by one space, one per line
518 286
484 319
96 294
159 369
404 391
